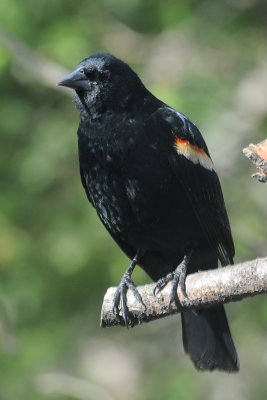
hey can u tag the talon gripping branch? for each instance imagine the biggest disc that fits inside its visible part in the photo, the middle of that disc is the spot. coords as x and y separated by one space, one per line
147 171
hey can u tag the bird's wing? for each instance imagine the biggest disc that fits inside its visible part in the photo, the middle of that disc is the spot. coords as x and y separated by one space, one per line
192 165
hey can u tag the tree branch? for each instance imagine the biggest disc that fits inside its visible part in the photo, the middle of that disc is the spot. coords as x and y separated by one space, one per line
204 289
39 68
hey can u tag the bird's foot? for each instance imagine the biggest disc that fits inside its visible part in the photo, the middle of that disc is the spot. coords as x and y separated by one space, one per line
178 277
162 282
120 295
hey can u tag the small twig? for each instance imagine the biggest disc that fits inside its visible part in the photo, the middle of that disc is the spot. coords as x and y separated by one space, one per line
204 289
258 155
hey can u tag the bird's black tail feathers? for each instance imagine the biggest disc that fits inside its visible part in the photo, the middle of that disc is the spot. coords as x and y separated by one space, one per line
207 340
206 335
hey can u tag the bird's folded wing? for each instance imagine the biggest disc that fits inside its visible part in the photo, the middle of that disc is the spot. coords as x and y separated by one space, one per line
193 167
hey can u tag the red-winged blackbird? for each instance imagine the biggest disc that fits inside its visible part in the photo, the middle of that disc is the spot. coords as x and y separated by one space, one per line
147 171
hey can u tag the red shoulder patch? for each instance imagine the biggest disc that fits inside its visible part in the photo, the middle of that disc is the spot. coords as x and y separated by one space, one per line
193 153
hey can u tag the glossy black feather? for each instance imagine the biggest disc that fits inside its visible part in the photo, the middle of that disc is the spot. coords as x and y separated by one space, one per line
150 197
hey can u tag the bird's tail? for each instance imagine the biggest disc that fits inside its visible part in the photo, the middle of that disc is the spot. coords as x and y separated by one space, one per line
207 340
206 334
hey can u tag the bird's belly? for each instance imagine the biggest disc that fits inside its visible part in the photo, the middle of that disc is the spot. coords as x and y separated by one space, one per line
150 214
110 203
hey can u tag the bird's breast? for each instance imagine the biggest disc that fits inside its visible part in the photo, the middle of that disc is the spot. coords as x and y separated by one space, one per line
134 191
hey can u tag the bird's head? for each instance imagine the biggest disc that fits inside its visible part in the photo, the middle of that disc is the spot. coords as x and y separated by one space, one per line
103 82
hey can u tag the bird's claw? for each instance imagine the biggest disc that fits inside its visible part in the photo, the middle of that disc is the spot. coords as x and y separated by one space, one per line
120 296
162 282
178 277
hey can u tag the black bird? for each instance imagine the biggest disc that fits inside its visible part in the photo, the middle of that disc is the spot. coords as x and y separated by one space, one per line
146 169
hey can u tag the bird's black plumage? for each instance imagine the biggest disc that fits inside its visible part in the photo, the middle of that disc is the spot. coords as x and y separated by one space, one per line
147 171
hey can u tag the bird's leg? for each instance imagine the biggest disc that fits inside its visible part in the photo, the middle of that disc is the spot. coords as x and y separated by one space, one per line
178 280
125 284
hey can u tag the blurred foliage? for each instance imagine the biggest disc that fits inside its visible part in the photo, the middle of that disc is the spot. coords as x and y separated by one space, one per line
56 258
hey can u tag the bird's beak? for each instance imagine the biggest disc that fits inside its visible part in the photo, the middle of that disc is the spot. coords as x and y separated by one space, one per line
76 80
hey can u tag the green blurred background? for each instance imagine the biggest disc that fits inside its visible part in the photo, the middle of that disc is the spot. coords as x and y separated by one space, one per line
206 58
